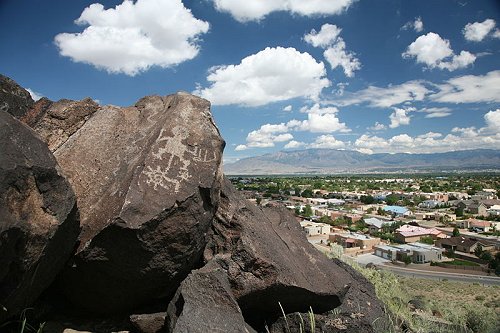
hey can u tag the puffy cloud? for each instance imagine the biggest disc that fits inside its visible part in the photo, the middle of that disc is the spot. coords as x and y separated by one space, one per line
134 36
336 54
400 117
386 97
319 120
435 52
287 108
321 123
271 75
266 136
416 25
470 89
327 141
371 142
492 119
35 95
294 144
477 31
327 35
244 10
377 127
459 139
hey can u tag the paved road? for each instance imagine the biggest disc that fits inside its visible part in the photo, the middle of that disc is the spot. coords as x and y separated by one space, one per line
416 273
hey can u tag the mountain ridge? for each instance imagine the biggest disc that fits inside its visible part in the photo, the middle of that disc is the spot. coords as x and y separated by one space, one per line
325 161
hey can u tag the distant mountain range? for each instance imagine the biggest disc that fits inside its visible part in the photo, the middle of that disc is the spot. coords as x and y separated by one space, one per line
327 161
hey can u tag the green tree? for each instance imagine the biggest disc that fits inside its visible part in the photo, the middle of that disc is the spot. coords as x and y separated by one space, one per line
307 211
326 219
427 240
297 210
478 251
258 201
307 193
459 211
391 199
406 260
367 199
456 232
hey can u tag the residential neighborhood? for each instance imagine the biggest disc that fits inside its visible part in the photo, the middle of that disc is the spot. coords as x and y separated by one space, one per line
448 222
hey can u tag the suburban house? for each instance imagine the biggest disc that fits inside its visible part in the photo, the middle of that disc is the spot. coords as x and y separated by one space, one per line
418 252
354 240
494 210
429 204
397 210
476 225
485 194
477 208
408 233
374 224
443 197
313 228
462 244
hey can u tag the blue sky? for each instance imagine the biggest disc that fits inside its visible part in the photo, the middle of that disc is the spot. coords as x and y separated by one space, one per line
372 76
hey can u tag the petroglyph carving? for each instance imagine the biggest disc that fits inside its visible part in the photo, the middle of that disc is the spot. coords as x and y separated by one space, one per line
171 174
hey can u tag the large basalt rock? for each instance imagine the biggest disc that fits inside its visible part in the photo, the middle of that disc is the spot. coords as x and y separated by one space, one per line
147 180
269 260
55 122
205 303
14 99
39 222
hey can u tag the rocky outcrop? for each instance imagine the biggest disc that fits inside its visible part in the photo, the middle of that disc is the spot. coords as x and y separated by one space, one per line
13 98
164 234
268 260
205 303
55 122
147 180
39 222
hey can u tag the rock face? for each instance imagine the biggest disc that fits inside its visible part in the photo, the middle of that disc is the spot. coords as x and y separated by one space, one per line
55 122
147 180
13 98
268 260
39 222
205 303
160 225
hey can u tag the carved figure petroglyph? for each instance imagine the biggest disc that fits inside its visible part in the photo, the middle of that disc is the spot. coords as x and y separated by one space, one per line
175 150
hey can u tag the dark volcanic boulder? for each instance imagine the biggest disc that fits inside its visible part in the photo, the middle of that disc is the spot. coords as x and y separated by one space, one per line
147 179
269 260
55 122
204 303
14 99
39 222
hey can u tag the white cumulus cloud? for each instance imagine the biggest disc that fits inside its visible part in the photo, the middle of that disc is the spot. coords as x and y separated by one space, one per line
287 108
400 117
294 144
271 75
244 10
477 31
436 52
377 127
134 36
336 51
327 141
416 25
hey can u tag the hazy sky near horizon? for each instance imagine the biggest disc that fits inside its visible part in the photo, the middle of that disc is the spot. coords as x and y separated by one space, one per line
372 76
